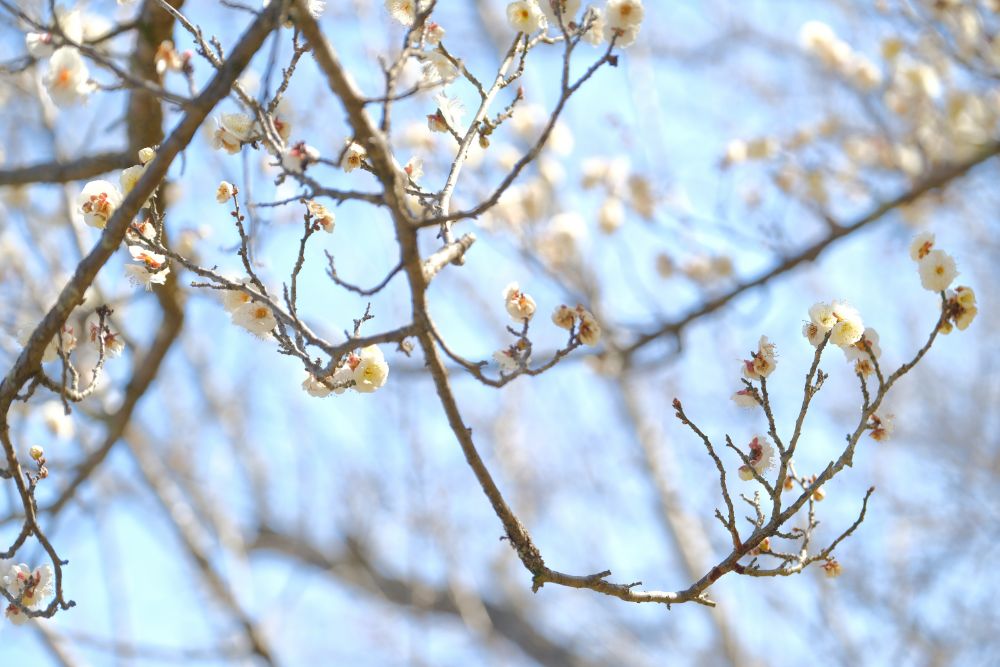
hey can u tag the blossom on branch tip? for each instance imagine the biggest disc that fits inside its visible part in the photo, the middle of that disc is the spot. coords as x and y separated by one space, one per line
624 14
68 80
595 28
232 131
297 157
564 317
151 269
509 359
315 387
322 217
520 306
129 177
32 588
568 9
433 33
224 192
589 331
744 398
354 157
832 568
403 11
937 270
98 201
438 69
762 362
881 427
921 244
961 307
255 318
525 16
448 115
372 370
761 458
146 155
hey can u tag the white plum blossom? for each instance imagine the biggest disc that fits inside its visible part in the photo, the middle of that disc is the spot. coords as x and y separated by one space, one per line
568 8
849 328
353 158
232 131
921 244
150 270
371 371
438 69
321 215
937 270
762 362
520 306
624 14
588 331
962 306
526 16
68 80
113 343
129 177
256 318
508 359
297 157
98 202
761 458
448 115
146 155
315 387
414 169
433 33
39 44
224 192
33 588
744 398
595 30
403 11
564 317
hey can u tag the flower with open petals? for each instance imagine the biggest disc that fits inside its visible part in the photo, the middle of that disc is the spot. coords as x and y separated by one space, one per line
589 331
98 202
353 158
68 80
937 270
526 16
519 305
256 318
232 131
372 370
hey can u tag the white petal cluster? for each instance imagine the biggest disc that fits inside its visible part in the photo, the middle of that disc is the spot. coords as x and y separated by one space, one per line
98 202
371 371
224 192
937 270
151 268
761 457
526 16
322 217
353 158
622 19
403 11
762 362
68 79
33 588
297 157
841 321
568 9
232 131
520 306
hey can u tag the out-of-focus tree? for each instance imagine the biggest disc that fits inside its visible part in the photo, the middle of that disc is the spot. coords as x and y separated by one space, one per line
562 227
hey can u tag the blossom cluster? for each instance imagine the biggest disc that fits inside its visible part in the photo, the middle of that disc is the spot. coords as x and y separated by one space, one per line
521 307
937 272
619 20
365 371
32 588
761 458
